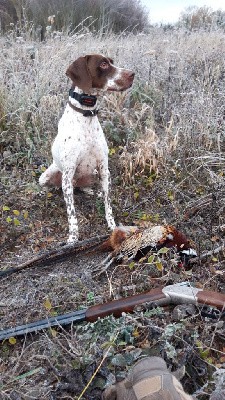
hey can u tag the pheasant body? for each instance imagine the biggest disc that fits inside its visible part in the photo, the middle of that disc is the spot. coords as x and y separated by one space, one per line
134 242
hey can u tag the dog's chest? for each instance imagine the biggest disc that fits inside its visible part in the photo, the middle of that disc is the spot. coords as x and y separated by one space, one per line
80 140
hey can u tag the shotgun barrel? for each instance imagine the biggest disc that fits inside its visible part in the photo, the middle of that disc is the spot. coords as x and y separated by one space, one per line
91 314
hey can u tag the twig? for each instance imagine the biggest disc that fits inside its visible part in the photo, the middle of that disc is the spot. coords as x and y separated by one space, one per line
105 264
98 368
207 254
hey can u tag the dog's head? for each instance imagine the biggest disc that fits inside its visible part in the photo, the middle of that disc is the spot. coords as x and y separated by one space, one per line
98 72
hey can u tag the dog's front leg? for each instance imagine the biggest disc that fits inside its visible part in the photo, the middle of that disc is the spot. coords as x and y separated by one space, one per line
104 181
67 187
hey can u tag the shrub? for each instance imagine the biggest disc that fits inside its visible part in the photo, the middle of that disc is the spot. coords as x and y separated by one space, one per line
72 15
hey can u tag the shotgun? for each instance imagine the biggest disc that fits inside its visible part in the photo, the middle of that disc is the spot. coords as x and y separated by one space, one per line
179 293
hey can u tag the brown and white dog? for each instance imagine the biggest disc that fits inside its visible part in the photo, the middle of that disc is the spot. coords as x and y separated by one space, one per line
148 379
80 151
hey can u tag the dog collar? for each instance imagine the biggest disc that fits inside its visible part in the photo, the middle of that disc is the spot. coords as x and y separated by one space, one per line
83 98
85 113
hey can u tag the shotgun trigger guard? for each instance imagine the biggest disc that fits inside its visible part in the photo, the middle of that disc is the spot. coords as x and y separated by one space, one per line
181 293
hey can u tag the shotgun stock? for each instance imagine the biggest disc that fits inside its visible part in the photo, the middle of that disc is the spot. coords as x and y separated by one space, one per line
179 293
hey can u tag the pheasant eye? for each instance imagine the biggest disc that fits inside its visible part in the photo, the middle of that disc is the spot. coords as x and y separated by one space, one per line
104 65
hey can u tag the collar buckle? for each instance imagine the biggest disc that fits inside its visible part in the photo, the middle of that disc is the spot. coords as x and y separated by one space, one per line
90 113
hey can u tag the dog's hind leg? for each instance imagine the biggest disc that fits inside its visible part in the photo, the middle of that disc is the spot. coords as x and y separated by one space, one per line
51 177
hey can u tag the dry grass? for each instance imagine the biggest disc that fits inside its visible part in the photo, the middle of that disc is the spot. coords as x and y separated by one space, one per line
166 139
181 80
144 156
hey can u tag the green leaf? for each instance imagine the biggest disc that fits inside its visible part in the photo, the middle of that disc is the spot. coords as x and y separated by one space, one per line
8 219
199 344
25 214
5 208
156 217
53 332
170 195
16 212
131 265
119 360
22 376
132 356
204 353
12 340
16 221
151 259
26 374
108 344
75 364
47 304
159 266
163 250
112 151
99 383
90 297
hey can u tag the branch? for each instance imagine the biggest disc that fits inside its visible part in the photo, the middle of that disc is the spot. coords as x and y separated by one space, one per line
207 254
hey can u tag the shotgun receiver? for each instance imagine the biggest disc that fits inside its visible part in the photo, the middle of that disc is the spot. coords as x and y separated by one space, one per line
179 293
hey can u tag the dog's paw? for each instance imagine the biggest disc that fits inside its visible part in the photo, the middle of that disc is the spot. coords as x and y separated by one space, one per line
72 239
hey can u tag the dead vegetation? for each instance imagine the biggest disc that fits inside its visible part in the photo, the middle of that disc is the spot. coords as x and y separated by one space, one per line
166 139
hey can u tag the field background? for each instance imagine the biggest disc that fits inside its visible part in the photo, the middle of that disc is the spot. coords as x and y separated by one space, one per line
166 140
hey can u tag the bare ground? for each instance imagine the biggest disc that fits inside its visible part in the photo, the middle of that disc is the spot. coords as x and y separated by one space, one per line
59 364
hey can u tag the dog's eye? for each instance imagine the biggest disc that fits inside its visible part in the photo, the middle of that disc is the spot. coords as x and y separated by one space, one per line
104 65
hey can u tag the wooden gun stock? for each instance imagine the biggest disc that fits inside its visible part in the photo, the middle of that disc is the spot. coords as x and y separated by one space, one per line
213 299
127 304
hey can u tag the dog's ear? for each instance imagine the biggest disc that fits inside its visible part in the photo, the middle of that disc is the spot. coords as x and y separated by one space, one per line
110 393
79 74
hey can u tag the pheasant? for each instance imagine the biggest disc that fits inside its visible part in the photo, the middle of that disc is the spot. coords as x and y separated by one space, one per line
127 243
